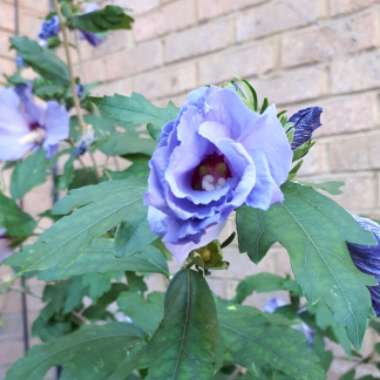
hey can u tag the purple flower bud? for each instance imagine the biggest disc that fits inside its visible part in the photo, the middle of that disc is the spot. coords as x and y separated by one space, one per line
214 157
24 125
92 38
49 28
305 121
367 258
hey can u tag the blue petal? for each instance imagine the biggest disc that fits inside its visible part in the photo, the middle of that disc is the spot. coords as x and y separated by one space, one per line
56 124
367 259
305 121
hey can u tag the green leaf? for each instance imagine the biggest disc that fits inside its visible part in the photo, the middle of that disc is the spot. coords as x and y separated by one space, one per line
17 223
120 144
254 338
104 206
29 173
90 353
111 17
135 110
185 344
133 235
144 312
262 283
139 169
43 61
100 257
314 230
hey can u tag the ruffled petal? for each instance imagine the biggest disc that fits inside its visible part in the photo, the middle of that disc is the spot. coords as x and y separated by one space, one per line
266 191
268 136
56 124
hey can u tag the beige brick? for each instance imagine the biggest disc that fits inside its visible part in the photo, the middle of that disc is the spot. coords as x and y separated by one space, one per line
10 303
293 86
14 350
316 161
136 6
333 39
181 14
276 16
199 40
349 153
356 73
243 61
359 193
345 6
345 114
94 70
4 45
7 17
168 81
146 55
7 66
213 8
374 150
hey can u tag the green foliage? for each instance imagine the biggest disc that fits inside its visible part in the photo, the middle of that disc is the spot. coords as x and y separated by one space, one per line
93 352
135 110
120 144
186 342
259 341
29 173
110 17
100 257
43 61
264 282
137 307
314 230
14 220
99 208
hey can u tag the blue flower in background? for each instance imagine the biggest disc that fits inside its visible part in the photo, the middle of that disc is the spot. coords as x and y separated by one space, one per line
24 125
275 303
305 121
367 259
49 28
216 156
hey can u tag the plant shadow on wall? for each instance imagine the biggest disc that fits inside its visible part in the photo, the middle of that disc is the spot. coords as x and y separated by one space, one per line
222 152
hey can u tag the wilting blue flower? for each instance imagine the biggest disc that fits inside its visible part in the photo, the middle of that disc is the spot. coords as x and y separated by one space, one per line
275 303
214 157
19 61
84 143
367 259
49 28
5 250
92 38
24 125
305 121
80 90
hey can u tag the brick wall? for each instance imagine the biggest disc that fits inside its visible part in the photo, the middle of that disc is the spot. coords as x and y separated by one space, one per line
297 52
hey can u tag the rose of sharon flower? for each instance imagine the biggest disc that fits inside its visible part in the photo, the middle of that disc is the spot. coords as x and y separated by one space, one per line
24 125
367 259
214 157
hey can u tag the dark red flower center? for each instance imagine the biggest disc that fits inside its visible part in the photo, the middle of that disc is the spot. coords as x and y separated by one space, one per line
211 173
34 126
